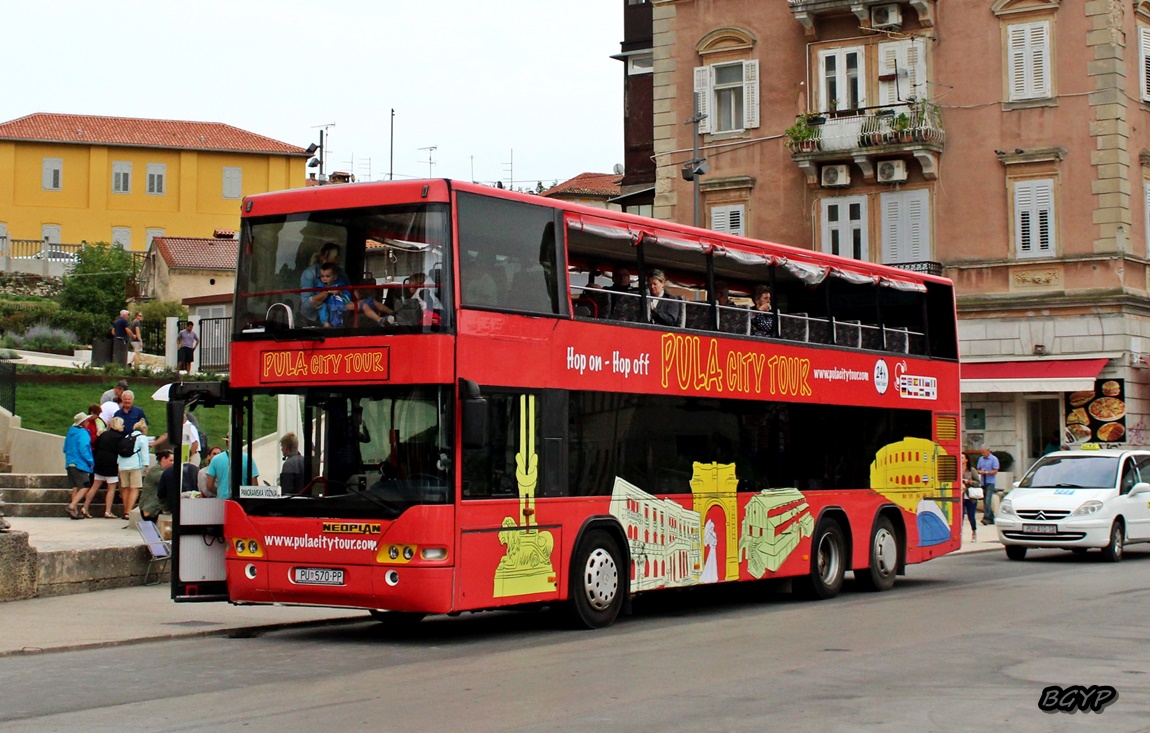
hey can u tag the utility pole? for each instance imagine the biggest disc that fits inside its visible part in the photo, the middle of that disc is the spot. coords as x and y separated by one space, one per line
697 167
323 151
391 159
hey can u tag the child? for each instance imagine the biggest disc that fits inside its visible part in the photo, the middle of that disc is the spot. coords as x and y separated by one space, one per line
337 302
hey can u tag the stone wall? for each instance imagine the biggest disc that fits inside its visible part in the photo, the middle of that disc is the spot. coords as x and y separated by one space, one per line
18 565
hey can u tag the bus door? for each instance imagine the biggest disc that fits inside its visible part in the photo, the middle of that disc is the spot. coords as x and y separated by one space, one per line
198 549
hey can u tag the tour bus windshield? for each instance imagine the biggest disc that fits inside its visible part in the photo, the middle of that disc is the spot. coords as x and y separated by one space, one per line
345 271
356 452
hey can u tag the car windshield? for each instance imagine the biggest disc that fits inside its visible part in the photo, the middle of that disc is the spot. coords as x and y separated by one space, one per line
1072 472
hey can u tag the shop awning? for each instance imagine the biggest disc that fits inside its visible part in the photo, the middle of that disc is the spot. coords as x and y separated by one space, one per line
1035 375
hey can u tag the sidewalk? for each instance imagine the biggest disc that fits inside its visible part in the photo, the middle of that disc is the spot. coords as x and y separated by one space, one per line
125 615
128 615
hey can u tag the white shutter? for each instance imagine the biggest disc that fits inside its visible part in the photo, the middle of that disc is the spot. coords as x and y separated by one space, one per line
891 205
1145 214
1144 67
122 236
150 234
729 219
233 182
917 225
1034 230
50 232
703 84
750 94
1040 59
1029 60
52 174
916 68
905 226
892 62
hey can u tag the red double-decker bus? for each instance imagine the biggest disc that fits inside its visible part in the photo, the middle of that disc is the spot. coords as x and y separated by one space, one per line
458 398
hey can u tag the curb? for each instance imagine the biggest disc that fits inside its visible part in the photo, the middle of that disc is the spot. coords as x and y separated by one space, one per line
234 632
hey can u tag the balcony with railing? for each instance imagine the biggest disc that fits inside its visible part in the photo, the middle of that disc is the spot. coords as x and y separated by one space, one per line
808 12
864 136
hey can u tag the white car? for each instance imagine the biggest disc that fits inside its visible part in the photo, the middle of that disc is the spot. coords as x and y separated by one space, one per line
1076 500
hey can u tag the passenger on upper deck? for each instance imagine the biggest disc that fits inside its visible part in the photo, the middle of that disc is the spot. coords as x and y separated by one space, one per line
479 285
732 316
372 309
763 321
666 309
310 278
335 303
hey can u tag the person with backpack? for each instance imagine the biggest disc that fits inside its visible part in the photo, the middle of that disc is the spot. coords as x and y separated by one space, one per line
107 473
971 493
132 458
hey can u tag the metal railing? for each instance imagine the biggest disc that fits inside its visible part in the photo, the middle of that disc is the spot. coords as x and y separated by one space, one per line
920 123
8 386
215 344
926 266
153 333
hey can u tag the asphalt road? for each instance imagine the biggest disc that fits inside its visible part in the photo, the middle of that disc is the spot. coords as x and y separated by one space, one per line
965 643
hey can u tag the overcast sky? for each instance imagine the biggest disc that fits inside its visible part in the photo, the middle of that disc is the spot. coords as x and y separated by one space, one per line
490 84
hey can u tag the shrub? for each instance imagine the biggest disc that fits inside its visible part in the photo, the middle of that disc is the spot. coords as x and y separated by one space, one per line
43 337
155 311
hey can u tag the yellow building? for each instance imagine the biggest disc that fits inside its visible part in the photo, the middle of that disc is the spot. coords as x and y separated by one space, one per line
74 178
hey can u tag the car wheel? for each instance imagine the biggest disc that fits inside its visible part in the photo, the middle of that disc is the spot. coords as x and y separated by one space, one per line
1113 551
828 563
596 589
882 567
1016 552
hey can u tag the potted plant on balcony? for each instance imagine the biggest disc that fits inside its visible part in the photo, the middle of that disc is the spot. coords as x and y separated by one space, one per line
804 137
900 127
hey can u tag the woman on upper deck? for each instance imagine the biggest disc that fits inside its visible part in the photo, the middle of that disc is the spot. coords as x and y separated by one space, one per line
763 320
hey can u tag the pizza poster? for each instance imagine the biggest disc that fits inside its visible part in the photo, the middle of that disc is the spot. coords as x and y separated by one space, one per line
1097 415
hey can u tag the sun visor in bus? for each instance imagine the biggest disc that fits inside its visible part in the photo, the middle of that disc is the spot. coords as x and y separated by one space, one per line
806 272
904 285
854 278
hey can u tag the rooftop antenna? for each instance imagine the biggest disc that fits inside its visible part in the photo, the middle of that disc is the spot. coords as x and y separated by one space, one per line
510 166
324 152
430 149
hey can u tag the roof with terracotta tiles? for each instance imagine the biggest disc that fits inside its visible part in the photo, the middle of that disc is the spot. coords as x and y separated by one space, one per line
130 131
587 184
197 253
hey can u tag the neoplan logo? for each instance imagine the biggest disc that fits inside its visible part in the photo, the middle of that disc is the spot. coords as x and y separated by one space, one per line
1071 699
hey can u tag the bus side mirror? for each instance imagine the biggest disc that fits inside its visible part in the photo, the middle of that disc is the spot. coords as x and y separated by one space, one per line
474 415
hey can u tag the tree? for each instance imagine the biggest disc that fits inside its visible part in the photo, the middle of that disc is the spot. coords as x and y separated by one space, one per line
97 284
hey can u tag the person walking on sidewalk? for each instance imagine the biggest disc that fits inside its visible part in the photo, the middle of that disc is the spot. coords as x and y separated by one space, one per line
971 485
136 337
988 469
78 463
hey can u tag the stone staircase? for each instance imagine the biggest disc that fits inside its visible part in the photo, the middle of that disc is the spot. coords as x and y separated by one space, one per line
42 495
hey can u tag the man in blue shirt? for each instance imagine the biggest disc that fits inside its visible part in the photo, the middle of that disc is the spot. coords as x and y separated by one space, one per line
129 411
219 481
987 469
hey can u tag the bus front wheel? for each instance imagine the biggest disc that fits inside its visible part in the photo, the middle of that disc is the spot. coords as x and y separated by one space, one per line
884 556
596 590
397 619
828 563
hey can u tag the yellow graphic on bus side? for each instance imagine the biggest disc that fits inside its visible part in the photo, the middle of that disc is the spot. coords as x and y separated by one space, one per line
526 566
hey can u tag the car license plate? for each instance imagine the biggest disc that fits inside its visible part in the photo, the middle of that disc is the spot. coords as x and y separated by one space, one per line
1040 529
318 576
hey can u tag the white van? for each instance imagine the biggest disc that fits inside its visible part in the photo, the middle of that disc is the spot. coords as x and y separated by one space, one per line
1076 500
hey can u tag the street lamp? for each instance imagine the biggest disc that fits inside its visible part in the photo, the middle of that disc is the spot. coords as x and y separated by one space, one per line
696 167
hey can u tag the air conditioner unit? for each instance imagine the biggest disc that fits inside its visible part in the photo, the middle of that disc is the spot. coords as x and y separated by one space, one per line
835 176
886 16
891 171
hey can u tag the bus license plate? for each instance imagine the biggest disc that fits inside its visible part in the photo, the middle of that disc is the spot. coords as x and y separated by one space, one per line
318 576
1040 529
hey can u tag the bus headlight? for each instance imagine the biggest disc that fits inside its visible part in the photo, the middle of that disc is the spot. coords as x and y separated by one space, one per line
245 547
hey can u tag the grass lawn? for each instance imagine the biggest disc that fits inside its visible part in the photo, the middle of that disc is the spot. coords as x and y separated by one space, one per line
49 407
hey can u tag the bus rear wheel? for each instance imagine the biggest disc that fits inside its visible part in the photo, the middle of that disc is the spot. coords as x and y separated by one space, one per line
828 563
882 566
596 589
